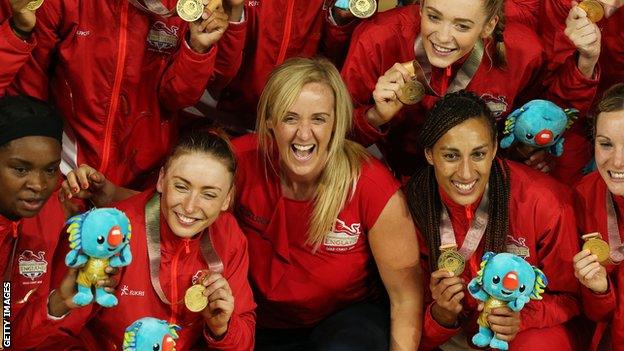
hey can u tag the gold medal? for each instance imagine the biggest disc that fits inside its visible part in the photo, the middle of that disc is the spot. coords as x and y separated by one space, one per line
194 298
593 8
411 92
451 260
33 5
190 10
597 246
362 8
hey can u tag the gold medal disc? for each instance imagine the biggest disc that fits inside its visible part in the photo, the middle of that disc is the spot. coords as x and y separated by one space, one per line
597 246
452 261
33 5
194 298
411 92
362 8
594 10
190 10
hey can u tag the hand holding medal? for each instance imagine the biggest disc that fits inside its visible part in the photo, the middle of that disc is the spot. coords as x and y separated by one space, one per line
24 18
589 264
593 8
390 95
212 296
585 34
207 22
359 8
451 260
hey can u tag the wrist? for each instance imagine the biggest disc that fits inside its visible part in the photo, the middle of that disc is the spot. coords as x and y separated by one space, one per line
56 305
444 318
236 13
217 333
374 118
22 32
340 16
587 66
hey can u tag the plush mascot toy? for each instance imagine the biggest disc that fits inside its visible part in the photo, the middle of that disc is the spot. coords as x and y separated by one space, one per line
150 334
503 280
538 124
97 238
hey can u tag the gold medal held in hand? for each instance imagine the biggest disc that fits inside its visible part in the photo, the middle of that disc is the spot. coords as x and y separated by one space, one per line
362 8
411 92
593 8
451 260
33 5
597 246
194 298
190 10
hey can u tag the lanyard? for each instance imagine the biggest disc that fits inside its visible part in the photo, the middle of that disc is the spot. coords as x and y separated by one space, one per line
152 226
153 6
463 76
475 232
615 242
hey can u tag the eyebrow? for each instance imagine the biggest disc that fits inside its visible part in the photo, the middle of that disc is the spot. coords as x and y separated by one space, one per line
208 187
602 136
28 163
446 148
434 10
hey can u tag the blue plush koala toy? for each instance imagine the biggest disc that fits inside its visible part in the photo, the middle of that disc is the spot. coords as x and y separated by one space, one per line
149 334
97 238
503 280
539 124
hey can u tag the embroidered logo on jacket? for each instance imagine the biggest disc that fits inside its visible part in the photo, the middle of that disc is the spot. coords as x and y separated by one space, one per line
162 38
342 237
125 291
497 104
518 246
32 266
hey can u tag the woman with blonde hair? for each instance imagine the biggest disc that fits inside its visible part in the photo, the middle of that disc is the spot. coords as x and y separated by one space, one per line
319 213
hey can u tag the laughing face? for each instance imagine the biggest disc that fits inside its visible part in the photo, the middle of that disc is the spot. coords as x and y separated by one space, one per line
451 28
303 134
610 150
462 159
195 188
29 173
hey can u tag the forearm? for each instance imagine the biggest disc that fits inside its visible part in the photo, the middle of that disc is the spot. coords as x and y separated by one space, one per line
555 309
405 325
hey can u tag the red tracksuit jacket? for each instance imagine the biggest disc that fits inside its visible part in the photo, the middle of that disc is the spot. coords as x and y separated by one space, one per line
277 30
606 309
541 220
181 260
14 52
295 287
389 38
118 76
557 46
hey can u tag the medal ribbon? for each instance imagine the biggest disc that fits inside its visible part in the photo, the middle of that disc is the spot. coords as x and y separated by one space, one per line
615 242
422 68
475 232
152 226
153 6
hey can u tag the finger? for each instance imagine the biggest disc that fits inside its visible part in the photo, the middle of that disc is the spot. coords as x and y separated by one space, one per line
72 181
445 283
220 294
586 261
451 290
111 270
545 169
405 73
216 285
581 255
592 273
502 312
585 270
221 305
504 336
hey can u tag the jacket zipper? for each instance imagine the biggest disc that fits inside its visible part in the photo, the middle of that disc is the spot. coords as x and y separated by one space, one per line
174 280
287 29
110 117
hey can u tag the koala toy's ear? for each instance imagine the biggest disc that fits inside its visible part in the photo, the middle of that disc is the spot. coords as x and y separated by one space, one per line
572 114
540 284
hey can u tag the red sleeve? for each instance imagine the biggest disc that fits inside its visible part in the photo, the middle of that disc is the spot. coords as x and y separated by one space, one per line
33 78
241 331
185 80
568 87
376 186
14 52
556 247
229 56
337 39
522 11
599 307
557 47
360 73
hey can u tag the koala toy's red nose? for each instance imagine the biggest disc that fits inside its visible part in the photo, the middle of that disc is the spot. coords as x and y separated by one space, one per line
114 236
168 343
544 137
510 282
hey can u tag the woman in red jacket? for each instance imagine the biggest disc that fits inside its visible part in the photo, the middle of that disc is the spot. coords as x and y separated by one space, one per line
324 220
600 209
182 220
469 198
459 44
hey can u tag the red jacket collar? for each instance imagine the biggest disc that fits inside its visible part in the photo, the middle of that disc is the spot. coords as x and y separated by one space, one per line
458 211
171 243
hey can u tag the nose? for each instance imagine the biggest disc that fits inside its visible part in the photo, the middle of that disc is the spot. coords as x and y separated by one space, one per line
303 130
114 236
444 33
189 203
510 282
36 182
465 169
168 343
544 137
618 160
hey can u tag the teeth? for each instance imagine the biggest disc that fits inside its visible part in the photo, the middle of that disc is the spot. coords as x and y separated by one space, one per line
617 175
465 187
185 219
441 49
303 147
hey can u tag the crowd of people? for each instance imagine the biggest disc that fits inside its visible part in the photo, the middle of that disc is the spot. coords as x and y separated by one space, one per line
303 167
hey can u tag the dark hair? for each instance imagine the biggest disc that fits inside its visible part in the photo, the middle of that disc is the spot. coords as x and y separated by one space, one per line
22 116
612 101
422 189
212 142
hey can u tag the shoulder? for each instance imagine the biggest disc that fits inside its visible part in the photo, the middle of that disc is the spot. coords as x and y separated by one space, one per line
227 235
531 185
522 43
135 205
590 185
376 173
